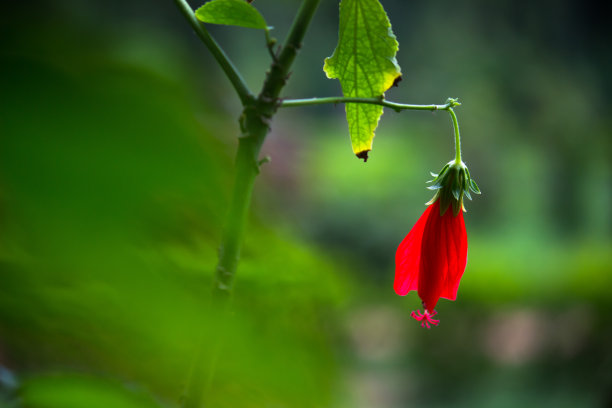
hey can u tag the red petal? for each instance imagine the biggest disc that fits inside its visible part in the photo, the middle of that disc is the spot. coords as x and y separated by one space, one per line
443 257
433 263
408 256
457 247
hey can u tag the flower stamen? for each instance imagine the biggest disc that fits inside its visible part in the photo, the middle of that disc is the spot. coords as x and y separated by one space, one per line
425 318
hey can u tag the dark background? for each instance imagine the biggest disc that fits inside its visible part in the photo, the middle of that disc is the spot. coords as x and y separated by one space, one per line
117 135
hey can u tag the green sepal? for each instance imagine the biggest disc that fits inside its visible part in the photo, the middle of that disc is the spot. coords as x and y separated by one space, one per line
451 185
467 194
474 186
456 192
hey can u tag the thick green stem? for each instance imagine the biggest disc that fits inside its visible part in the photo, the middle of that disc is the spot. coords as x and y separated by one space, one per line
457 135
247 168
226 65
254 124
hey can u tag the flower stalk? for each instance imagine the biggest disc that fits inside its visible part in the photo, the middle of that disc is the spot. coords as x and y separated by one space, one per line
457 135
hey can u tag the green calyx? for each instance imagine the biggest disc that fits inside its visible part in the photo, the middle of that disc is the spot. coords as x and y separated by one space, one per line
451 184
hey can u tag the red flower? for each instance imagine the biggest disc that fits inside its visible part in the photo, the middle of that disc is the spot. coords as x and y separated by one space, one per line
432 257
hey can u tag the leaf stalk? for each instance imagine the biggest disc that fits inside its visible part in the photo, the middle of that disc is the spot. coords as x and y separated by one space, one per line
398 107
222 59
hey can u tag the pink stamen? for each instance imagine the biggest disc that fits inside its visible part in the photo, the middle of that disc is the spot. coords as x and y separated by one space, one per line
425 318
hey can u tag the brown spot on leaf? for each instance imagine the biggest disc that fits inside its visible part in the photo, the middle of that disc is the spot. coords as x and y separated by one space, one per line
397 80
363 155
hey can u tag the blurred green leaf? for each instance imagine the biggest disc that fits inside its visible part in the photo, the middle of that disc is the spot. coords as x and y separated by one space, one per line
109 237
231 12
67 391
364 62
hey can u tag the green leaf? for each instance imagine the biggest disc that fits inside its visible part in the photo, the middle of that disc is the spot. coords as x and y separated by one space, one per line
231 12
364 62
73 391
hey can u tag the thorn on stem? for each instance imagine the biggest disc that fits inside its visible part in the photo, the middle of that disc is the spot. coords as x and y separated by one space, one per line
266 159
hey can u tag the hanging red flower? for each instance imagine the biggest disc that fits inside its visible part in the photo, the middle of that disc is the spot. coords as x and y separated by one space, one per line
432 257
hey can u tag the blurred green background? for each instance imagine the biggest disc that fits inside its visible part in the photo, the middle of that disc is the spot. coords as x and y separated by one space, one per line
117 134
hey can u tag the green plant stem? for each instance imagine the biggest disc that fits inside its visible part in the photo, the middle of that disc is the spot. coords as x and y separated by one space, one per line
247 168
457 135
226 64
290 103
398 107
254 124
